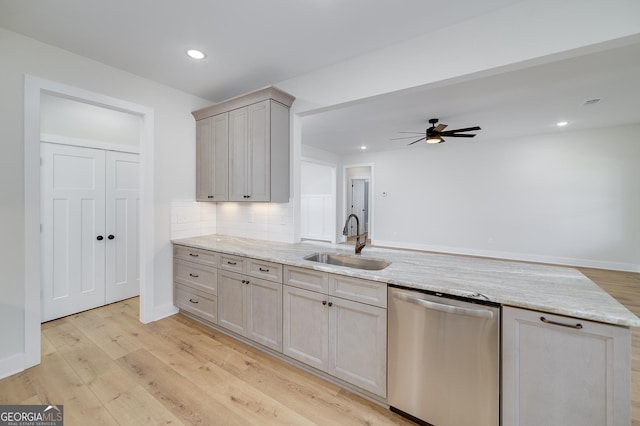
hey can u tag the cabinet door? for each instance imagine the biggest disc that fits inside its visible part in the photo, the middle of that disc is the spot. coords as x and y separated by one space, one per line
259 152
203 159
358 344
212 158
238 134
554 373
264 312
220 158
232 306
305 327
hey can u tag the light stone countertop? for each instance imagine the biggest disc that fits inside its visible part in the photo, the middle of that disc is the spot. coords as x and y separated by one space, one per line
552 289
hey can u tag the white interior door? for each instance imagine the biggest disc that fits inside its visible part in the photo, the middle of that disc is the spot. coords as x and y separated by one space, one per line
122 225
73 225
359 201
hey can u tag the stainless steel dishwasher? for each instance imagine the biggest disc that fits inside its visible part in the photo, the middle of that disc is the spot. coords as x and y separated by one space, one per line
444 358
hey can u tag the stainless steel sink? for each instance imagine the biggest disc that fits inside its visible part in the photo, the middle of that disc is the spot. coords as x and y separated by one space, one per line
348 261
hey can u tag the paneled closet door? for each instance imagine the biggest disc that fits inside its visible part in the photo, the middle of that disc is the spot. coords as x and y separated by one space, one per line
73 229
122 226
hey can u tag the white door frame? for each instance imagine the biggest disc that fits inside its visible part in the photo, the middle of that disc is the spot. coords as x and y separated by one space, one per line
346 181
33 87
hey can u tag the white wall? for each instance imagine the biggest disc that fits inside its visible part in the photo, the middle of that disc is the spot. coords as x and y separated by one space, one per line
570 198
65 117
318 201
174 150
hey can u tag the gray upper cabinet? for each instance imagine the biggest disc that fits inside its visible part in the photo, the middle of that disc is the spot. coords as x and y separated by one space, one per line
212 153
243 148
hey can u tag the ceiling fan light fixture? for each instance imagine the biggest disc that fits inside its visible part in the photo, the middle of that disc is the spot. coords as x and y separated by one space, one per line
434 139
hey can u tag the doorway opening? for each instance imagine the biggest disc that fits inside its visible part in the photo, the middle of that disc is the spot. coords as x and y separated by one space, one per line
35 88
358 188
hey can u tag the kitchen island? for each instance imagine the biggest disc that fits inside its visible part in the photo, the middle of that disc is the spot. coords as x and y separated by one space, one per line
564 346
553 289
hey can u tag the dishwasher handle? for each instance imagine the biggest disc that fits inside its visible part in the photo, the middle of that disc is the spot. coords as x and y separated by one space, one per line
450 309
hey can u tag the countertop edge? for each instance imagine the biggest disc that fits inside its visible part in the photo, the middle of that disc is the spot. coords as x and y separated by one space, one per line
224 244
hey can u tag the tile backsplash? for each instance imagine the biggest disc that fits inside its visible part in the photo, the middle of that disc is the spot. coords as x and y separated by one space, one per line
192 219
262 221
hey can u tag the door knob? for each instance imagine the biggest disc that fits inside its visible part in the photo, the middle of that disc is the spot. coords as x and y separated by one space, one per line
100 238
111 237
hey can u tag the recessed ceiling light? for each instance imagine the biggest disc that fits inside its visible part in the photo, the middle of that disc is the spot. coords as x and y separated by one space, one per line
363 147
562 123
195 54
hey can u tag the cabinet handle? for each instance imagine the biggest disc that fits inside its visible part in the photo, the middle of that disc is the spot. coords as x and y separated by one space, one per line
231 263
245 281
546 321
193 275
193 301
330 304
324 302
111 237
263 270
193 255
99 238
209 196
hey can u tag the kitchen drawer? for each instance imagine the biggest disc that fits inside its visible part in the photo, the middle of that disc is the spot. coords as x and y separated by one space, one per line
232 263
266 270
201 277
358 290
204 257
199 303
306 278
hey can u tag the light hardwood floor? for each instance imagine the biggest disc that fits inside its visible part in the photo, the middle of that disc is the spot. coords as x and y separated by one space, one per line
108 368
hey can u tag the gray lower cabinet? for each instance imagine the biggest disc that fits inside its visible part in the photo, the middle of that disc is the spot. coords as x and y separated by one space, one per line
306 327
195 287
251 307
342 337
563 371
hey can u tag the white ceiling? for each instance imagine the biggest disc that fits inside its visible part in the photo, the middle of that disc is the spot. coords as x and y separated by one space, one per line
512 104
255 43
249 43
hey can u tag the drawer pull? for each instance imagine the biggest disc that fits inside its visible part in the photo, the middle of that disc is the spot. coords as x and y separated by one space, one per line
324 302
546 321
263 269
194 254
193 301
193 275
231 263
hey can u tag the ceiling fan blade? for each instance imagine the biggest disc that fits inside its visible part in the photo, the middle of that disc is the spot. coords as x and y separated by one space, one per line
403 137
424 137
440 127
417 133
466 129
461 135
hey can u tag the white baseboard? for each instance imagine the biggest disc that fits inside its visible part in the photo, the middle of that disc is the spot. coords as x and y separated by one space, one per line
12 365
503 255
164 311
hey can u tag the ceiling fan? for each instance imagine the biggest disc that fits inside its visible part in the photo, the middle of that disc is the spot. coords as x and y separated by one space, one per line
435 133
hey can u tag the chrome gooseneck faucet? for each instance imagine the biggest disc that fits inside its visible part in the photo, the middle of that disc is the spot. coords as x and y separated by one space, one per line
345 231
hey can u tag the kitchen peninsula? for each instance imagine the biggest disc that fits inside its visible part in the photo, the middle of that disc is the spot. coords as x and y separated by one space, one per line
541 306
